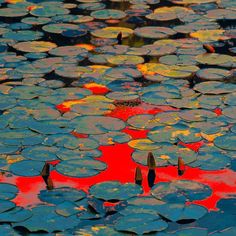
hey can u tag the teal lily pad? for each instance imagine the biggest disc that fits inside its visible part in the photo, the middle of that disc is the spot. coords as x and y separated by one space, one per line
226 142
214 74
212 161
192 231
8 230
6 205
154 32
46 219
111 138
71 142
180 191
215 87
60 195
8 191
40 153
68 154
68 51
97 124
83 167
113 190
28 168
140 223
176 212
23 35
67 208
17 214
108 14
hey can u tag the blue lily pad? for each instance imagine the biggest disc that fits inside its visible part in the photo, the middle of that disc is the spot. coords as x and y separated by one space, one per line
180 191
27 168
83 167
112 190
45 218
7 191
59 195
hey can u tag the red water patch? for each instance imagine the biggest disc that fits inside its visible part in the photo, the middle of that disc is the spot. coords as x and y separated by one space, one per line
121 167
62 108
78 135
124 112
97 89
194 146
218 112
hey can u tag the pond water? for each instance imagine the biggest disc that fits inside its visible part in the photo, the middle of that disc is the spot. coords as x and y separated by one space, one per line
117 117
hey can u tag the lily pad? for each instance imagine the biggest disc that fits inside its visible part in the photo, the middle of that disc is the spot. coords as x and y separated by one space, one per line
83 167
59 195
35 46
154 32
40 153
27 168
49 221
113 190
108 14
215 87
180 191
8 191
112 32
140 223
226 142
97 124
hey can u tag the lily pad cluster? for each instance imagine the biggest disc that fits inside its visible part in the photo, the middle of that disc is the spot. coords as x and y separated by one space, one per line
70 71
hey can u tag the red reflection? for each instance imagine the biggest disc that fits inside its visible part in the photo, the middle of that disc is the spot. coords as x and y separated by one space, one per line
121 167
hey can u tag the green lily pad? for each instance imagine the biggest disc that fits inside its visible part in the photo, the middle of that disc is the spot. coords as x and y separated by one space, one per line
23 35
197 115
215 87
125 60
108 14
187 231
154 32
17 214
174 133
12 12
230 112
67 154
112 32
215 59
140 223
68 51
111 138
7 191
83 167
48 11
71 142
226 142
180 191
179 212
34 46
29 92
67 208
212 161
40 153
60 195
97 124
46 219
94 105
113 190
27 168
6 205
144 144
8 230
214 74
